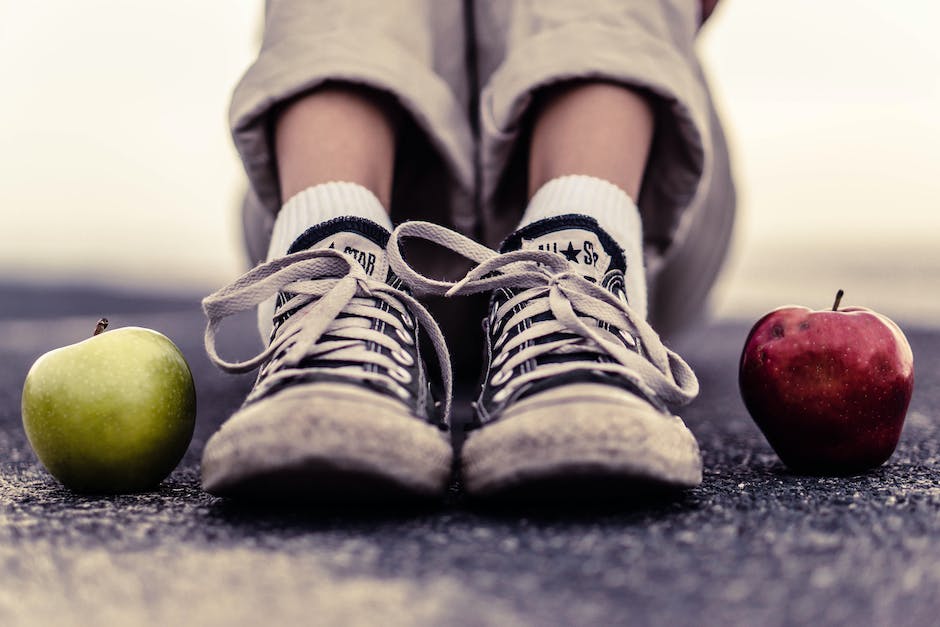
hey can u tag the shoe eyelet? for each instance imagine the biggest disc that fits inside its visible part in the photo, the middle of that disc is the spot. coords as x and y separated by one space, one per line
408 320
500 377
492 317
403 357
627 338
400 374
405 337
401 392
397 390
500 358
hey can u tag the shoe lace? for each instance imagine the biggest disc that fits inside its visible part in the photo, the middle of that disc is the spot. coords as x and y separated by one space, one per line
330 318
586 320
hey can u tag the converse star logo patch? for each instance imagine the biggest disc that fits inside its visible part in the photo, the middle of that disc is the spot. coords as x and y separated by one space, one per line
571 253
580 247
369 255
365 259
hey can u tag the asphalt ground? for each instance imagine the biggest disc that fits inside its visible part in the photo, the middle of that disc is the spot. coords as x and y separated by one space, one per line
754 545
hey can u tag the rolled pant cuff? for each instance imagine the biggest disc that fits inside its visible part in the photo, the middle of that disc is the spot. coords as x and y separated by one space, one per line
287 69
630 56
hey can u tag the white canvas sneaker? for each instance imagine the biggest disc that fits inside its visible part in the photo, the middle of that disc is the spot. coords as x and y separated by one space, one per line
577 389
342 408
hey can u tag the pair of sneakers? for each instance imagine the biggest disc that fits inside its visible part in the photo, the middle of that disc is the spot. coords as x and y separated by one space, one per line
576 389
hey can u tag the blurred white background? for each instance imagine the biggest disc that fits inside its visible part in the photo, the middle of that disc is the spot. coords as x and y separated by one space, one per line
116 165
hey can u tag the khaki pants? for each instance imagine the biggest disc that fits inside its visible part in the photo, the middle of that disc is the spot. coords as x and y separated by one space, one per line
465 72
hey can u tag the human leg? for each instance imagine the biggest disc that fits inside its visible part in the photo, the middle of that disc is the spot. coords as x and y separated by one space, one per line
593 128
587 154
338 132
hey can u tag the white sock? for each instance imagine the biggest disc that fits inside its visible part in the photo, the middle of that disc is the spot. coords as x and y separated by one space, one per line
320 203
614 211
312 206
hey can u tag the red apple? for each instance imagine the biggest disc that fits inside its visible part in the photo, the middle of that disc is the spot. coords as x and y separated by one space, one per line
829 389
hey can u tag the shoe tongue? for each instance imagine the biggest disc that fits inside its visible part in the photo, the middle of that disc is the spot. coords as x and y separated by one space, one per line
363 239
589 250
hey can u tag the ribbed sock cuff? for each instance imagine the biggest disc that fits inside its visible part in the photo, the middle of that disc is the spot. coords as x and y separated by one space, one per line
320 203
612 207
614 211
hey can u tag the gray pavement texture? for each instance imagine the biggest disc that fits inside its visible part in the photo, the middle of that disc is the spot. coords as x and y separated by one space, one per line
754 545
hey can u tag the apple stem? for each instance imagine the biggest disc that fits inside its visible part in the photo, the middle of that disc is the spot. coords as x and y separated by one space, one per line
835 305
101 326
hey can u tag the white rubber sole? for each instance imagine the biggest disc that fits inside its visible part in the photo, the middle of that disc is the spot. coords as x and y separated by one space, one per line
577 436
327 441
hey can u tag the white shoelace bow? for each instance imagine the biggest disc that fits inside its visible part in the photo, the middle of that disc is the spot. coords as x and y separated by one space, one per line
325 283
547 283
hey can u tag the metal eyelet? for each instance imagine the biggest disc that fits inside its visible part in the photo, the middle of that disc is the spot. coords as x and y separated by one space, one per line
500 341
400 374
493 317
402 393
398 390
403 357
405 337
627 338
408 320
500 377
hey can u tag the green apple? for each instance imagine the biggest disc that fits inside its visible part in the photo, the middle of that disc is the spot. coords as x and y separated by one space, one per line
114 413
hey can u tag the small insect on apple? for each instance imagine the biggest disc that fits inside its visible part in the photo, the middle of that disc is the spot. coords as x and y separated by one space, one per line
113 413
829 389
